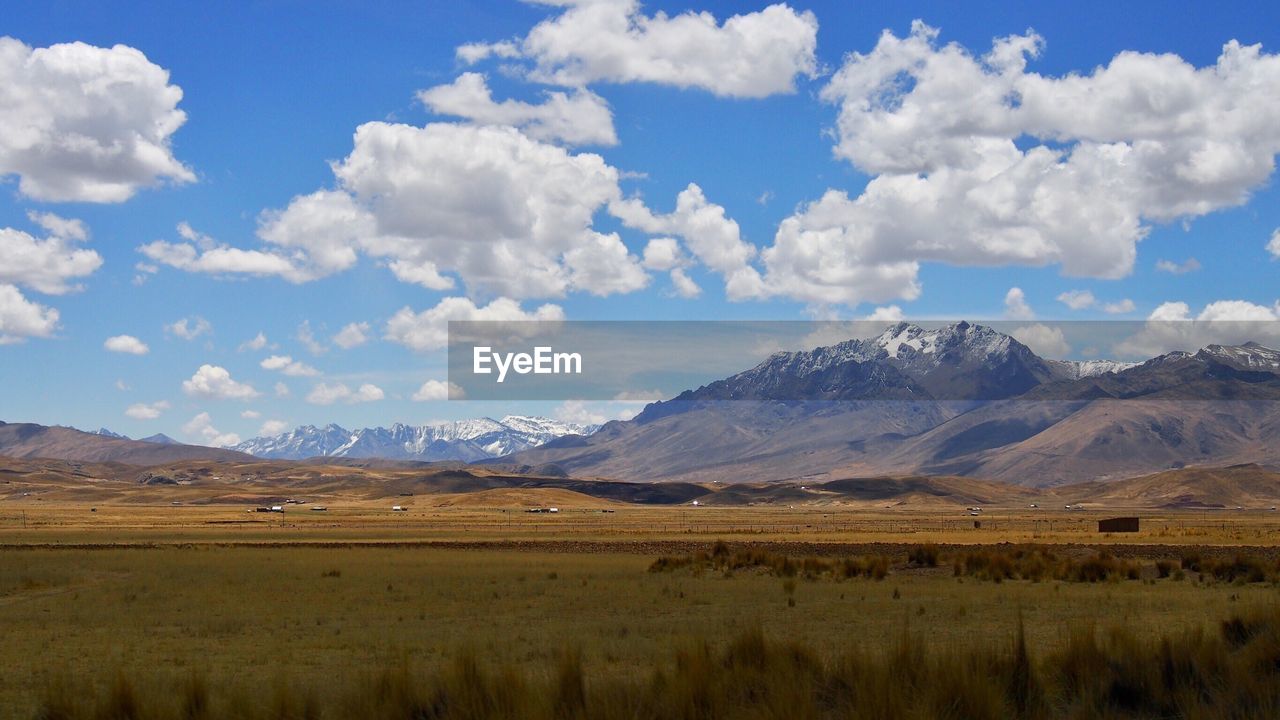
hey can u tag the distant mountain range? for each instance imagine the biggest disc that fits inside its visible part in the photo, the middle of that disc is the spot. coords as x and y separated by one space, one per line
958 400
465 440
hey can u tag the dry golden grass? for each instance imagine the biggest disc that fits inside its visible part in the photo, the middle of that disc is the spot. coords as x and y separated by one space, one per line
310 622
359 610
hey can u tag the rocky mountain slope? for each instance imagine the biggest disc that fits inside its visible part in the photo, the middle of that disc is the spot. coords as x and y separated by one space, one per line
958 400
27 440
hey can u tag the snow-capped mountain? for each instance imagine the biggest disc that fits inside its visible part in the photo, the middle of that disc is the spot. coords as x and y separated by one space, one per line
465 440
968 401
108 433
961 361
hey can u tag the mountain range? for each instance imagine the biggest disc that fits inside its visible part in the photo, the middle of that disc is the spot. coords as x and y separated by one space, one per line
962 399
465 440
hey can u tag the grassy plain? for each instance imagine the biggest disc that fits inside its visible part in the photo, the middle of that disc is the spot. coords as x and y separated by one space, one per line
321 606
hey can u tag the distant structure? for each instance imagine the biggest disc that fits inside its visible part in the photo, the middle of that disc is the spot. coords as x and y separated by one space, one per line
1120 524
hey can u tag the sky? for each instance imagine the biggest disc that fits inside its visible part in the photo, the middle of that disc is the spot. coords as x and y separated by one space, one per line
222 220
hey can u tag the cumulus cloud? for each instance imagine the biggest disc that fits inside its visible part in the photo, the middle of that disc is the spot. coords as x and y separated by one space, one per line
598 412
664 254
258 342
979 161
202 254
212 381
1084 300
50 265
1273 246
126 344
288 366
429 329
250 414
434 390
1015 305
1077 299
273 427
21 319
189 328
281 390
750 55
145 411
1043 340
711 236
308 339
201 427
1174 268
509 215
683 285
1173 326
577 118
324 394
352 335
887 313
85 123
1120 307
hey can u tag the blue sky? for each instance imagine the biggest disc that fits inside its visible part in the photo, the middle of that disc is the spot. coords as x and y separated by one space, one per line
763 113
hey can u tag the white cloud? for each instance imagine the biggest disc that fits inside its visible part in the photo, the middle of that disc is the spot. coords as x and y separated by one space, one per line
597 412
258 342
1169 266
1119 308
126 344
189 328
273 427
288 366
1144 139
203 254
352 335
121 385
50 265
663 254
1171 326
1077 299
711 236
60 227
1015 305
1273 246
509 215
433 390
888 313
429 329
684 285
212 381
281 390
751 55
580 118
144 411
250 414
1083 300
324 394
20 318
84 123
201 426
1043 340
308 339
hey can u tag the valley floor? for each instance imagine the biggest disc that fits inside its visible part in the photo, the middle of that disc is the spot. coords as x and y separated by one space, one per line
317 608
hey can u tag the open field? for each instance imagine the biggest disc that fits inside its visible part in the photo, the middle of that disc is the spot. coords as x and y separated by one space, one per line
314 619
125 604
436 519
